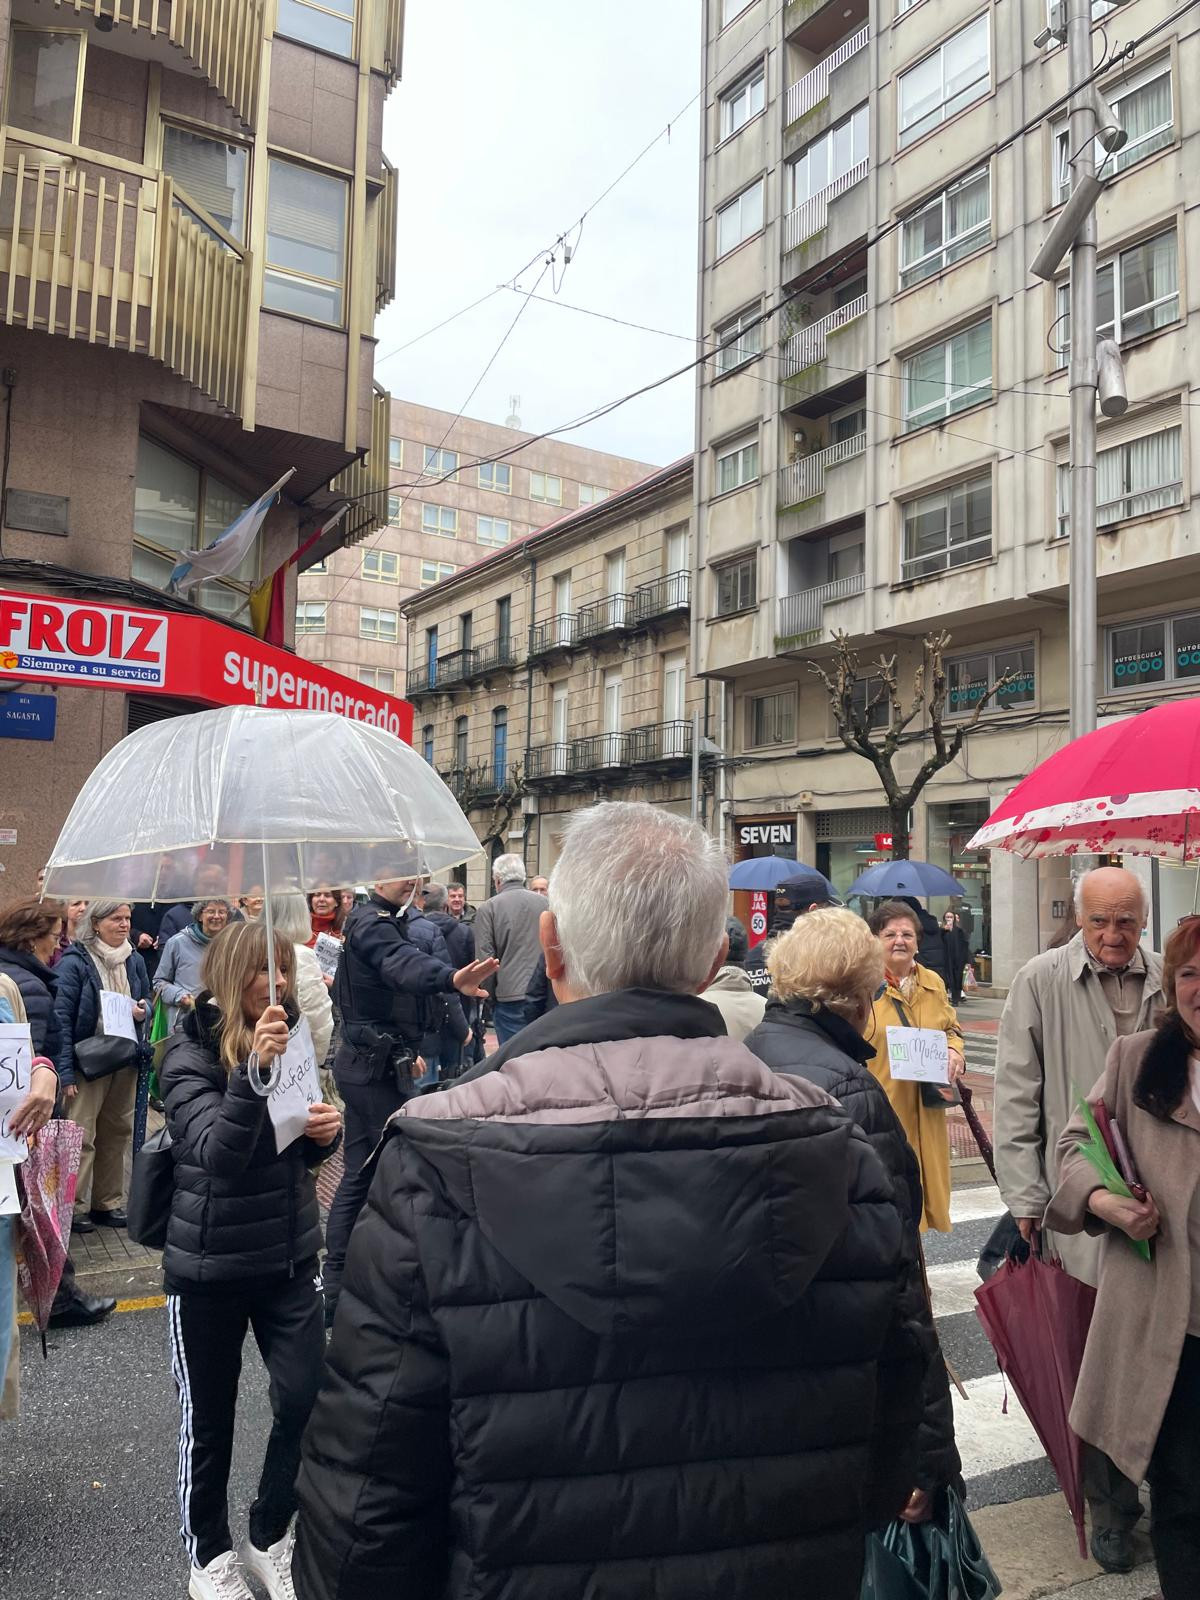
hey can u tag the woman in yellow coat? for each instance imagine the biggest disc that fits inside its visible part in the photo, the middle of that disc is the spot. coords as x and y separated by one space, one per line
921 995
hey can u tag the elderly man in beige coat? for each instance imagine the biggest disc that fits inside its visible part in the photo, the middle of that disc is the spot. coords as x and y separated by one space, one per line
1064 1010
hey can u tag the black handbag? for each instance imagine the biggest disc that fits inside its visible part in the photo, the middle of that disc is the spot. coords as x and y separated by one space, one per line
103 1054
151 1188
931 1093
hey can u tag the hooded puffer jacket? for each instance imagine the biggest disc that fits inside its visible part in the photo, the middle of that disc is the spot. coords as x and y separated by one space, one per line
37 983
620 1321
827 1051
240 1209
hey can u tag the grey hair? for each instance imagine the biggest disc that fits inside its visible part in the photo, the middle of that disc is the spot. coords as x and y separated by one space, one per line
508 869
1143 898
209 900
435 897
86 931
639 897
291 918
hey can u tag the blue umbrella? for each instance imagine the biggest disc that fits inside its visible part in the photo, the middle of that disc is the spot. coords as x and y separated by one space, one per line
763 872
905 877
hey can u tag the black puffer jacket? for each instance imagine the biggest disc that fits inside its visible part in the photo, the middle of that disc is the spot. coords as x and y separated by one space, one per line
650 1353
240 1210
831 1054
37 983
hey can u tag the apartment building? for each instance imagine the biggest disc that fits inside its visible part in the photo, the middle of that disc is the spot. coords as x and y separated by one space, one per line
197 227
885 452
554 673
450 503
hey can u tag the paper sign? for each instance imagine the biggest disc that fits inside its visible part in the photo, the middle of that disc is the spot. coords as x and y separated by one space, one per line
297 1087
10 1200
328 952
116 1011
16 1074
918 1055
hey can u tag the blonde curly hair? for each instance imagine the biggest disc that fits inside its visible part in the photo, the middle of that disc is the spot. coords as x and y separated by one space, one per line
830 958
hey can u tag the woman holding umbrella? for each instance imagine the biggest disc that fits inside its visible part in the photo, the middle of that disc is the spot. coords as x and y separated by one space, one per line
914 997
1138 1396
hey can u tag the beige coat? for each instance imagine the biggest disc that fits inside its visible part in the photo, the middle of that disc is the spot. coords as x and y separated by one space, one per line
1055 1033
734 997
1142 1309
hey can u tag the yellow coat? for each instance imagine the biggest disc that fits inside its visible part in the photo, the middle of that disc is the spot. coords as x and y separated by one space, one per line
924 1126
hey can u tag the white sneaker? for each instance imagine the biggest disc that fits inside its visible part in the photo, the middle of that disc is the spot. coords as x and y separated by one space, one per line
219 1580
273 1567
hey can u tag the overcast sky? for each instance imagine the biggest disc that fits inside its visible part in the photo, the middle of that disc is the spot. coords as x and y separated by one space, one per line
512 116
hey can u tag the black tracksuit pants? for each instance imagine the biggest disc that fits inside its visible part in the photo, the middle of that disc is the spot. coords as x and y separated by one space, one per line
370 1097
1174 1477
207 1331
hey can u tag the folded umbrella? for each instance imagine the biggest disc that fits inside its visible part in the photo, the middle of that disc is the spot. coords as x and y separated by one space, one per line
46 1180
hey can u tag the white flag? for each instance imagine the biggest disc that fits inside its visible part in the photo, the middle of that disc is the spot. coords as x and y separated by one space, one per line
227 552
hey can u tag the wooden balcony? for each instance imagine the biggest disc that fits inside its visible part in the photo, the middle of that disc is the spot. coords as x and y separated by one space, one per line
365 482
223 39
112 253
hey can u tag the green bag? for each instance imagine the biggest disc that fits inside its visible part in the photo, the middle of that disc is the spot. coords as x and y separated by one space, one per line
160 1032
943 1555
885 1576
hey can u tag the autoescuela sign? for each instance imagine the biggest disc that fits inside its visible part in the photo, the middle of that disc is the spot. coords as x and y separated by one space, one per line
143 651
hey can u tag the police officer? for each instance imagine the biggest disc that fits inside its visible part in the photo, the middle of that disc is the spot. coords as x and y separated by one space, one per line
386 982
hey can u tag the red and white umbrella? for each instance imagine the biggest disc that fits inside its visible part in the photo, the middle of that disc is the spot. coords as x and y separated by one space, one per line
1132 787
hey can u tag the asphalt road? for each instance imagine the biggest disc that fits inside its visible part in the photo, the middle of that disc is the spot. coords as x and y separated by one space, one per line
87 1475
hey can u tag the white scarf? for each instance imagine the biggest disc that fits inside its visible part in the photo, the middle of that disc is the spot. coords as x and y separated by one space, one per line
110 962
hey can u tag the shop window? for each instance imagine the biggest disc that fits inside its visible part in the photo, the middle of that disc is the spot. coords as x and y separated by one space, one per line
45 82
178 506
969 677
950 828
324 24
212 172
1163 651
306 242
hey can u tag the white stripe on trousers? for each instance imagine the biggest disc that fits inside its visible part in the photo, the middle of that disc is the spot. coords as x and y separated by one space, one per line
179 1371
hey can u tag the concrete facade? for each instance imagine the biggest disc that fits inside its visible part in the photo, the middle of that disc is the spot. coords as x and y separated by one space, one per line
577 648
437 522
905 408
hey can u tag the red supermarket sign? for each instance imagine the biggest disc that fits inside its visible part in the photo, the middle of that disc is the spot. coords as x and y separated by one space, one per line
157 652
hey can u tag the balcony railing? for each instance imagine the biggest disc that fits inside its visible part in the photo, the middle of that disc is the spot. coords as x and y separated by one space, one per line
802 613
387 221
549 761
475 781
661 595
806 347
453 668
813 87
417 681
808 219
600 750
492 657
662 741
804 479
365 481
224 38
556 633
113 253
614 612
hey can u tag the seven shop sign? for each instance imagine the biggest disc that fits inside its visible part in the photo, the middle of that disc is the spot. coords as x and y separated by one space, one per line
774 835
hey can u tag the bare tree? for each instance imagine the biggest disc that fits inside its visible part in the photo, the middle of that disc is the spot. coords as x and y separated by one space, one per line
852 711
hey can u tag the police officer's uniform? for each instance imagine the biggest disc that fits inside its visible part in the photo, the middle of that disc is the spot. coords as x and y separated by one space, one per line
386 983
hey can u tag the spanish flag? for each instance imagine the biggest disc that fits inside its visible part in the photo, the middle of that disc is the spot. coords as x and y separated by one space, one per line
267 602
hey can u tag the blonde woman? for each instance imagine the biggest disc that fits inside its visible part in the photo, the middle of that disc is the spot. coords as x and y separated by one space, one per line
825 972
242 1253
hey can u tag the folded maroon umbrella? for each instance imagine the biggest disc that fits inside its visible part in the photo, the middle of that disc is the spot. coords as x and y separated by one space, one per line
47 1183
1037 1319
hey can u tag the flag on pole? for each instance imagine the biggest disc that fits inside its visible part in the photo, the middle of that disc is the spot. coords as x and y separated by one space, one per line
267 609
227 552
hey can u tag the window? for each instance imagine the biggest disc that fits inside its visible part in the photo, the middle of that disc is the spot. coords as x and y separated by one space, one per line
1133 479
500 746
737 586
373 624
1137 291
395 452
310 616
675 689
829 158
737 464
178 507
869 699
461 743
503 621
946 228
559 722
545 487
847 424
381 678
466 630
1166 650
318 566
771 718
955 75
493 530
591 494
441 520
381 566
739 340
431 653
564 630
948 376
846 555
326 24
675 550
731 9
306 242
427 743
443 462
612 700
741 218
970 677
744 101
496 475
947 528
45 82
1145 108
213 173
395 507
435 571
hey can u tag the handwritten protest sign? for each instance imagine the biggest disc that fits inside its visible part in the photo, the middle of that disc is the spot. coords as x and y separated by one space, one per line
16 1073
918 1055
116 1011
297 1087
328 951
